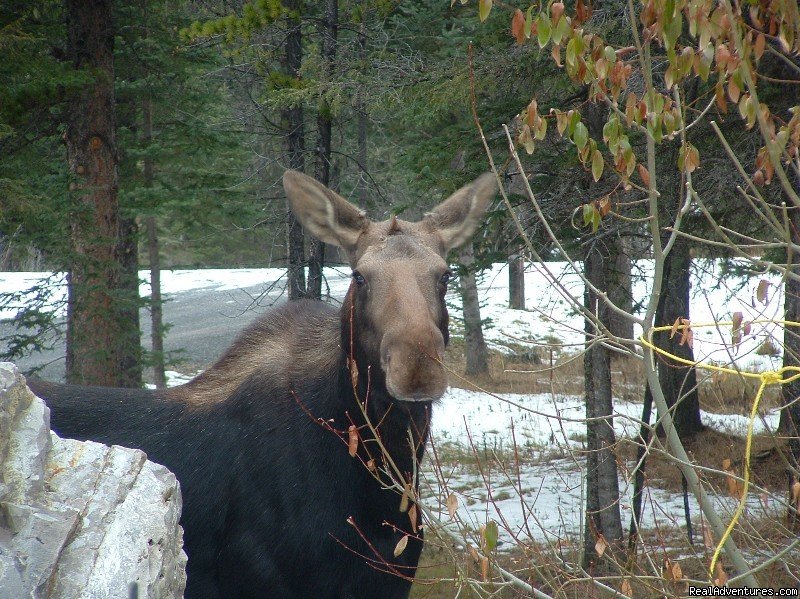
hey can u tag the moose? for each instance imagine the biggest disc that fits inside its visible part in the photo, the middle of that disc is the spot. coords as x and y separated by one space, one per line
297 450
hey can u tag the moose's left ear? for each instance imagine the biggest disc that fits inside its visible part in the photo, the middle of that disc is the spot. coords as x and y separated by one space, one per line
456 219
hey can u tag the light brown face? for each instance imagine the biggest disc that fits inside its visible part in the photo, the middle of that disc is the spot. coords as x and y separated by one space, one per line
399 278
398 289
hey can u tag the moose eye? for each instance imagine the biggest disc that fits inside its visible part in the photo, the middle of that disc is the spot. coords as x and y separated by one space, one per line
445 278
358 278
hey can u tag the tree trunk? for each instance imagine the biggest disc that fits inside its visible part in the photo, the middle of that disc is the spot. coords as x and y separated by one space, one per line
316 257
99 349
130 359
603 518
516 282
477 354
156 305
361 112
151 229
620 290
790 413
679 382
294 141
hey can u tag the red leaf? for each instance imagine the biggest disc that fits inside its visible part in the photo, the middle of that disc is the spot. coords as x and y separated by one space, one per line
518 27
644 174
352 444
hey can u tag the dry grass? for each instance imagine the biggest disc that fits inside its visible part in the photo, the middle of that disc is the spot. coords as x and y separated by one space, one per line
444 568
556 372
720 393
540 566
710 449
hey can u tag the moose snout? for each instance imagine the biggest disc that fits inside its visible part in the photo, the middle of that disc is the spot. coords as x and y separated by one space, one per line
412 365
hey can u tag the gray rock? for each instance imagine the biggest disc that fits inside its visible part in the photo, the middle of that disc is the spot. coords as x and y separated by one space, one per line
80 519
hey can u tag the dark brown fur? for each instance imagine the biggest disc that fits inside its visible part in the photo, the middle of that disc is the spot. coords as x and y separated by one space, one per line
275 505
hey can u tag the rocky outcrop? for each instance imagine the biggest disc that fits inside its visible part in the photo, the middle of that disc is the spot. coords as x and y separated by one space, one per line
80 519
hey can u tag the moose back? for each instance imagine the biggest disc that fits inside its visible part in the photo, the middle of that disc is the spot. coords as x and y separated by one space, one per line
292 451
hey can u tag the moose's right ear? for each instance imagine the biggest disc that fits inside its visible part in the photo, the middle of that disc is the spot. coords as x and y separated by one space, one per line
456 219
322 212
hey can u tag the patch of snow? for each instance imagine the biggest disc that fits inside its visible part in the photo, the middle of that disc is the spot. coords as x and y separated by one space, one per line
544 500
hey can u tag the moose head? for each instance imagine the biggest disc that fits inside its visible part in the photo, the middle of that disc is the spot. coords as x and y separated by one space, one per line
394 312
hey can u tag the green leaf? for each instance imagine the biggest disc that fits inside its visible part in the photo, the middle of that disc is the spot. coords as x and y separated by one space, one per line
490 535
580 135
611 130
588 214
543 29
597 165
541 129
526 139
528 21
484 8
669 77
560 30
672 30
574 119
571 51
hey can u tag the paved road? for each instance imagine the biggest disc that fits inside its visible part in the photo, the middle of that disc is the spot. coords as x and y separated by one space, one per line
204 323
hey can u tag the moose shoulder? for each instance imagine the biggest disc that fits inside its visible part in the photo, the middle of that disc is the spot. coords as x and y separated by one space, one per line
275 503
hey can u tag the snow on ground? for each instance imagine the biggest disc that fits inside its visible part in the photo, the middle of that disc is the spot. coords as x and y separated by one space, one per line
546 423
549 317
552 287
544 500
545 427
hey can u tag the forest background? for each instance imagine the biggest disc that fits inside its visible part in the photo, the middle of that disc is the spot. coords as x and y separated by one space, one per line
154 135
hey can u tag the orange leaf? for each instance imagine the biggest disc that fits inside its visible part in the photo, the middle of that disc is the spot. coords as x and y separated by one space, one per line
452 505
762 292
601 545
667 569
353 373
721 578
352 445
533 113
485 568
687 338
408 495
556 11
412 516
675 326
734 487
708 540
581 14
604 205
733 91
401 545
644 174
626 588
760 45
556 54
518 26
736 332
719 97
